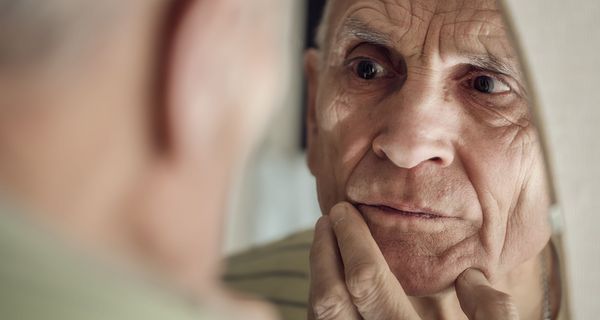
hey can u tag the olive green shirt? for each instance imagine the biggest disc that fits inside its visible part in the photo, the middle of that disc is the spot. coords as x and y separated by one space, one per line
42 278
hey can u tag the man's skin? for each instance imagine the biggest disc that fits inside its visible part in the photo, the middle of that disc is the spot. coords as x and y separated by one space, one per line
121 123
419 123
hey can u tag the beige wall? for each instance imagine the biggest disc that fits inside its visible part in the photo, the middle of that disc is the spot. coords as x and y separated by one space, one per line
561 40
276 196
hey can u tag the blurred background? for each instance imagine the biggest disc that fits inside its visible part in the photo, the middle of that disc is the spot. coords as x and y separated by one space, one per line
276 195
561 44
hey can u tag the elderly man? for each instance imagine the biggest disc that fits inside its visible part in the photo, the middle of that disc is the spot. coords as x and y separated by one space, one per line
428 168
120 125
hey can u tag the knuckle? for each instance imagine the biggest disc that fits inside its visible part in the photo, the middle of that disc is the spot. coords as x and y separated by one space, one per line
329 306
364 282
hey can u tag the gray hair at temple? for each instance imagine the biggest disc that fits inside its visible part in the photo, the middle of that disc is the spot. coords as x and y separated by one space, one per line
322 35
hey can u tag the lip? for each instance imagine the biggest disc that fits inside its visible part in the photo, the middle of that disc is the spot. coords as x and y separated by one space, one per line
404 209
418 213
405 218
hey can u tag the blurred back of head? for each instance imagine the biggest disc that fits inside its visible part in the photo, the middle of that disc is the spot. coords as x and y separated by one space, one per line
121 121
35 32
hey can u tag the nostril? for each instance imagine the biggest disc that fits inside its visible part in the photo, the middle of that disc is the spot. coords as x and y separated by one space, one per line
379 152
409 153
437 160
442 161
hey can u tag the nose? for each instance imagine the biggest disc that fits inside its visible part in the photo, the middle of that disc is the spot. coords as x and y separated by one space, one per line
416 130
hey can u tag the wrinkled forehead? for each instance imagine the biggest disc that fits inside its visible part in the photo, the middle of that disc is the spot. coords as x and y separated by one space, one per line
448 29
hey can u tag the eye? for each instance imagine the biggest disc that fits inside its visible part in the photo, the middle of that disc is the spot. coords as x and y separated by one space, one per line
369 69
489 85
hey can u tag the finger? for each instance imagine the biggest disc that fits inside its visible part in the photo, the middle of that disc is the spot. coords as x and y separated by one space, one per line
479 300
329 298
374 289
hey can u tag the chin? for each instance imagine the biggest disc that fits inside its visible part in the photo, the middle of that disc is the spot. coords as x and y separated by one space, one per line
423 275
423 281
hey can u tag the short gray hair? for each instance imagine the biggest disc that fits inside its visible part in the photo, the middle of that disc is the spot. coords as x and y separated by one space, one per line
322 34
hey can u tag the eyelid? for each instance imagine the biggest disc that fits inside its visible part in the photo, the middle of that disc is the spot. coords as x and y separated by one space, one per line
371 51
471 75
362 58
383 72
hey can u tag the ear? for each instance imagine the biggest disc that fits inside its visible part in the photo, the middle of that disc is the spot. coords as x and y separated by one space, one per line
311 71
193 86
178 222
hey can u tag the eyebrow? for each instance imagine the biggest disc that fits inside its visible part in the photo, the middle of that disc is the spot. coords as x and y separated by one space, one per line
358 29
494 64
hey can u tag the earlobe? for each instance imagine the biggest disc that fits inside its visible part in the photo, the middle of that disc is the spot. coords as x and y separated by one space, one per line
311 71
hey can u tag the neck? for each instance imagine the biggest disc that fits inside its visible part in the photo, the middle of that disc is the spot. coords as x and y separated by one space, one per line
523 284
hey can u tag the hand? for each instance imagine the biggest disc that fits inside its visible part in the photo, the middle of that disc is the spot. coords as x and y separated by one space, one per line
350 279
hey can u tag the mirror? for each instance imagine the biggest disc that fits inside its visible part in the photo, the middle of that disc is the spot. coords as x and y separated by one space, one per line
422 116
562 63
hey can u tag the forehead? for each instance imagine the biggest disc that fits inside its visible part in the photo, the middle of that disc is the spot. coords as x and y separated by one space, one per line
432 28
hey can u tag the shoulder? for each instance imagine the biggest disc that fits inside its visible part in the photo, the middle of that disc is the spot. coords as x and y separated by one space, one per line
43 277
277 272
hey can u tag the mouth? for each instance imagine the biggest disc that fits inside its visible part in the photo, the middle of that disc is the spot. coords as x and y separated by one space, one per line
410 213
401 209
405 218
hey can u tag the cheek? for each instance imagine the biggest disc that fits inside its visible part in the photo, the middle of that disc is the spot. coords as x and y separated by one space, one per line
494 166
344 137
506 171
529 228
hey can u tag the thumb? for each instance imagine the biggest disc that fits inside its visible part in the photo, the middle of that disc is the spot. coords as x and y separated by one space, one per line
479 300
372 286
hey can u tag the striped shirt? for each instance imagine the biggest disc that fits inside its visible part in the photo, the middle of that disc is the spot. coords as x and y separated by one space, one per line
279 273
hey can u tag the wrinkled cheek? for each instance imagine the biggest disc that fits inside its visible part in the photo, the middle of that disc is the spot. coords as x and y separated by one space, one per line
343 141
494 177
326 175
511 188
529 228
332 177
334 114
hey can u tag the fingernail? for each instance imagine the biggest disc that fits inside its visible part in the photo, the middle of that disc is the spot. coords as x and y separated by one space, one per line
474 277
339 208
338 213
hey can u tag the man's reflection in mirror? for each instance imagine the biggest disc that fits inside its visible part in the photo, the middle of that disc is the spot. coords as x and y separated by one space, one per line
428 168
